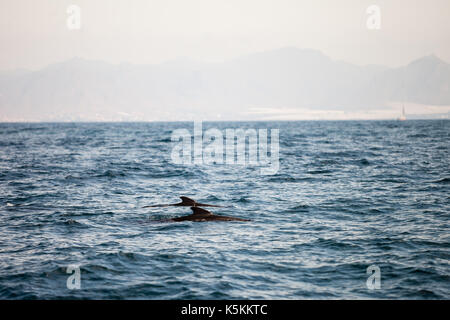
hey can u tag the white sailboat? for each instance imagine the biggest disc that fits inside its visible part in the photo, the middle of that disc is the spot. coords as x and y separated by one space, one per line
403 116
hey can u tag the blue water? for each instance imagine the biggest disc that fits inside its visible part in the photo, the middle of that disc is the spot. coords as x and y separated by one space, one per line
348 195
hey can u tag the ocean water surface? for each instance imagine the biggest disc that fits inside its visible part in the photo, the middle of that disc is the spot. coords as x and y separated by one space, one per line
348 195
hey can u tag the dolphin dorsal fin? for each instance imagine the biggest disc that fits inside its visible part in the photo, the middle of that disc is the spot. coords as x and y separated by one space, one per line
187 201
198 210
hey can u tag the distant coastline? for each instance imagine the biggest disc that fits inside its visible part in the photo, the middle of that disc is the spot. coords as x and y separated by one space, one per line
282 84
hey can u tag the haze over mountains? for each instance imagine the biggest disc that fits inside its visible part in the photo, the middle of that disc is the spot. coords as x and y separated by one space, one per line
287 83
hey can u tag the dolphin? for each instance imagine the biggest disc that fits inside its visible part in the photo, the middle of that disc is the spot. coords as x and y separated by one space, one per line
185 202
202 215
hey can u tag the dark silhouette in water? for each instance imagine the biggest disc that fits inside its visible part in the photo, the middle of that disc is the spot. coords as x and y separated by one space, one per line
202 215
185 202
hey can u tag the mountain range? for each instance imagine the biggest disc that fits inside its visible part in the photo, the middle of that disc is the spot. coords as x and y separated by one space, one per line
287 83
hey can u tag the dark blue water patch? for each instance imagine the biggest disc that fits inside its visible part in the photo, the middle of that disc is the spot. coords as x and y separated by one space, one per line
347 195
363 162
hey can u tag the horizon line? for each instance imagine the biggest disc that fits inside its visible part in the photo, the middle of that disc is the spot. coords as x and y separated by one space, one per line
180 121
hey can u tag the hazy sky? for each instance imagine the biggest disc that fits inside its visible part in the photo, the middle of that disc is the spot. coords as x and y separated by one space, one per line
34 33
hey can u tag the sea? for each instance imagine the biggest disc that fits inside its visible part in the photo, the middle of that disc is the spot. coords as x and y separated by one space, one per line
356 210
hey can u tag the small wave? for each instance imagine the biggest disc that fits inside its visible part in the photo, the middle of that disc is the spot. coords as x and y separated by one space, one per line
165 140
167 173
287 178
94 268
417 135
72 222
72 177
282 179
163 226
339 154
443 180
213 198
128 255
58 271
111 174
393 180
11 144
242 200
300 207
424 294
334 244
86 213
319 171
